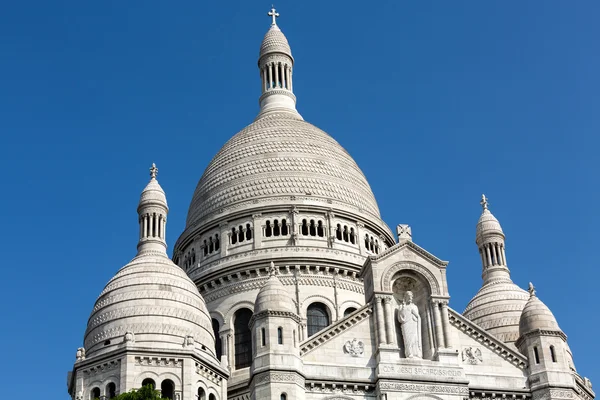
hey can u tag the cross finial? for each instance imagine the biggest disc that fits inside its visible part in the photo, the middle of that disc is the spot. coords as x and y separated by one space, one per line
531 290
153 171
484 202
273 14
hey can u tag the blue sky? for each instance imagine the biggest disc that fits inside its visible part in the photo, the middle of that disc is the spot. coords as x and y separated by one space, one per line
437 101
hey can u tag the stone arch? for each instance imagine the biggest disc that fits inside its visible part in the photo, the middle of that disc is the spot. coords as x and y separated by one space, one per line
317 298
228 319
386 278
218 316
211 390
111 379
424 397
143 375
348 303
169 375
91 386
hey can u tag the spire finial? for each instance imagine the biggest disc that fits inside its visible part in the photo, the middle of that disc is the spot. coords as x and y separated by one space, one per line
153 171
273 14
484 202
531 290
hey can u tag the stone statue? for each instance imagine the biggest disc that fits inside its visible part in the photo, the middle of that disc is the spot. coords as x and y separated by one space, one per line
80 356
410 321
129 337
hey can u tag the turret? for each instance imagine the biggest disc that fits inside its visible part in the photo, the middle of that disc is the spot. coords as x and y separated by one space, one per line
545 345
275 326
152 211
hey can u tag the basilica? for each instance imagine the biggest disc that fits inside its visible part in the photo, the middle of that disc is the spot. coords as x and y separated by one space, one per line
286 284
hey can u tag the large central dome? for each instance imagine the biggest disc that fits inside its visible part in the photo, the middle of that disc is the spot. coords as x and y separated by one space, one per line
280 155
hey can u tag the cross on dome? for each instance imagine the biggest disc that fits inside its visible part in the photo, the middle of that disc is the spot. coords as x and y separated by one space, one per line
531 289
484 202
273 14
153 171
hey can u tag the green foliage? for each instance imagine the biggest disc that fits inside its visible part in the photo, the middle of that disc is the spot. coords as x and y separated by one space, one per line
145 393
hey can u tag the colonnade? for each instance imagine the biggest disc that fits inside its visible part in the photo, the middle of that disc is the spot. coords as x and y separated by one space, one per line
277 75
153 225
492 254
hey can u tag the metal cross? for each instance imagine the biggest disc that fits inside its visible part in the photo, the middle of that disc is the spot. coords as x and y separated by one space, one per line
274 14
484 202
153 171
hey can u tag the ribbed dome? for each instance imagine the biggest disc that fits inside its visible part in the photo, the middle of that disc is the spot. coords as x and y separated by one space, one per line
275 42
497 308
487 225
156 301
536 315
274 297
277 157
153 194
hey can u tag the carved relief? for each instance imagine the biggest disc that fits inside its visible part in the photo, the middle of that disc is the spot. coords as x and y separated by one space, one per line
354 347
472 355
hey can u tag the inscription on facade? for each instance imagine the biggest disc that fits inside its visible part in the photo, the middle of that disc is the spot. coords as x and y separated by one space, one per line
421 371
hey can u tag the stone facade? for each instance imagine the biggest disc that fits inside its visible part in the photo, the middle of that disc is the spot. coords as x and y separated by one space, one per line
287 285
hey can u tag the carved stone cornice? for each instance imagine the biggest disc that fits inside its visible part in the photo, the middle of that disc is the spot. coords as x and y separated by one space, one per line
336 329
328 387
487 340
540 332
270 313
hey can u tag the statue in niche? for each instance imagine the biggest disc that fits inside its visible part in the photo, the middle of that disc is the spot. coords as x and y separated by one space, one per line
410 322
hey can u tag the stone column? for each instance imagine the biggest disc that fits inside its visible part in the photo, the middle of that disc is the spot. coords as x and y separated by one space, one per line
164 230
276 66
224 241
264 76
258 232
380 322
359 239
489 257
446 324
291 80
437 322
283 77
503 254
389 320
270 76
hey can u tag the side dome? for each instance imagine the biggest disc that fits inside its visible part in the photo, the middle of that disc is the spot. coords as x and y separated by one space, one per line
273 296
281 157
497 308
536 315
157 302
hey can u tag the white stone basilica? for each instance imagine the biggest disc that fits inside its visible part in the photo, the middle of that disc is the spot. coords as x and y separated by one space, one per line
287 285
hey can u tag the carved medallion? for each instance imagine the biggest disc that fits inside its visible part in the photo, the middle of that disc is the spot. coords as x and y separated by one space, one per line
472 355
354 347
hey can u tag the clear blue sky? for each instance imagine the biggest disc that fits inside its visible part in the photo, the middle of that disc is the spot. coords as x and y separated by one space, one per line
437 101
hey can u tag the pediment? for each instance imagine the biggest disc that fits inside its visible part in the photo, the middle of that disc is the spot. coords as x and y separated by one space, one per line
409 251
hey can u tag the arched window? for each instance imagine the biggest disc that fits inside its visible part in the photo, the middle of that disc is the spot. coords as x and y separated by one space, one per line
352 236
304 227
201 394
193 256
217 243
212 397
349 311
320 230
211 245
95 393
276 228
284 227
263 337
338 232
242 339
248 232
218 344
283 396
233 236
280 335
366 242
552 354
167 389
268 229
536 355
149 381
205 249
317 318
345 234
241 235
313 228
111 390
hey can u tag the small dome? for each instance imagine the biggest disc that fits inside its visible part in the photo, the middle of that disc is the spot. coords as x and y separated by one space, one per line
156 304
153 194
487 225
497 307
275 42
536 315
273 296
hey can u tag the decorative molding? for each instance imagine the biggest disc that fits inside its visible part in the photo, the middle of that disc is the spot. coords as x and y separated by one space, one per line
336 329
208 374
424 388
159 362
280 377
416 248
339 388
101 368
487 340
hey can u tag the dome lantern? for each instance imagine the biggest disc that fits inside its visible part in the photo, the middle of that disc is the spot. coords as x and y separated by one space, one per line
152 211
